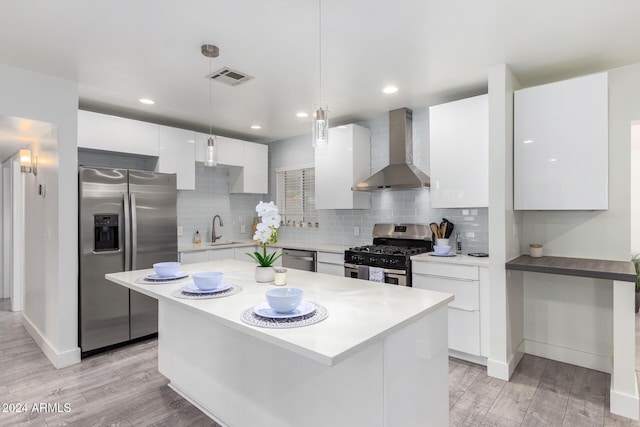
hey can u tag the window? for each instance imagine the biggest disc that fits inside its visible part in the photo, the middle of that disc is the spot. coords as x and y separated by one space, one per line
296 196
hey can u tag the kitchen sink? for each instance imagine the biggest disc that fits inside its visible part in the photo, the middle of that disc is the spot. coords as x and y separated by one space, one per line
223 243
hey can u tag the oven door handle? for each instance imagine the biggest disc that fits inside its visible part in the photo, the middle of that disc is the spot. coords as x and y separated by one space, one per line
400 273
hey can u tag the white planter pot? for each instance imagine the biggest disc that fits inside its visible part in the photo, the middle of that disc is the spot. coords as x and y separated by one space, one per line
265 274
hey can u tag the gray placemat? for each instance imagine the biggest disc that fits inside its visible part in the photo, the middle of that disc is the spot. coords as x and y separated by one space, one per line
143 281
249 317
234 289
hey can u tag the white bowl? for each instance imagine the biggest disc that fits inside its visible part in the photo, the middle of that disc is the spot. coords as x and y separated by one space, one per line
284 300
166 269
441 250
208 280
442 242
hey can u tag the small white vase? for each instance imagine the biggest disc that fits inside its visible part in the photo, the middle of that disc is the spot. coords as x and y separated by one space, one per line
265 274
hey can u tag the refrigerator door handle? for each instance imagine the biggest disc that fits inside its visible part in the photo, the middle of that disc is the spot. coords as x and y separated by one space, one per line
127 232
134 233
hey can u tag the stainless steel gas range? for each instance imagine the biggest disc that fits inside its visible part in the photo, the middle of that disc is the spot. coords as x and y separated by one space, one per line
392 248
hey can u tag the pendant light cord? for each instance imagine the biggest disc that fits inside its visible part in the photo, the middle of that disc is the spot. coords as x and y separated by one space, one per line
210 101
320 47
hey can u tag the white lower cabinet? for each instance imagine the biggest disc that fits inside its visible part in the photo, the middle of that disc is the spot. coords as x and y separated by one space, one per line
330 263
240 254
194 257
218 254
212 255
468 312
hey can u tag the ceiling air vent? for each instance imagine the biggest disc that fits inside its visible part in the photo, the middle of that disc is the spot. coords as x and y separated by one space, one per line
228 76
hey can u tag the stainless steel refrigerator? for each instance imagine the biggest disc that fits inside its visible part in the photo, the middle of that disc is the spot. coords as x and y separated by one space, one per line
127 221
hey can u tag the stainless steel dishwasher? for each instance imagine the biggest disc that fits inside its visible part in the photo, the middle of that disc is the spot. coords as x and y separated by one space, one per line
299 259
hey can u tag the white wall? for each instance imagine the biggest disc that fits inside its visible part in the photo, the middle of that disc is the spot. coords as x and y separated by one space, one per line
560 319
635 188
506 302
51 310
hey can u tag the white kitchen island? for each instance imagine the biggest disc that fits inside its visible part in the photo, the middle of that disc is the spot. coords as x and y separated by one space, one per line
379 359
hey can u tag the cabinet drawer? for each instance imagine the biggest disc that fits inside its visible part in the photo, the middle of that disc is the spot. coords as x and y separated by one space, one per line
464 331
333 269
331 258
467 292
456 271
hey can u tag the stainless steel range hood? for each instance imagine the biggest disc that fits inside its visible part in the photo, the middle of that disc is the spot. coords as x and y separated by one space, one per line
400 174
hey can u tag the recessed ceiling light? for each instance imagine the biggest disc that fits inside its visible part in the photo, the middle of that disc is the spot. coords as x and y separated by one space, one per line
390 89
302 114
256 127
147 101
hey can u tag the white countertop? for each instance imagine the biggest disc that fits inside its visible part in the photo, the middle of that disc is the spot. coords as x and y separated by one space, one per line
360 312
458 259
322 247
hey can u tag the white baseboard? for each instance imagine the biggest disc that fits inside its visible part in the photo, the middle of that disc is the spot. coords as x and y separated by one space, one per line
468 357
597 362
625 405
502 370
58 359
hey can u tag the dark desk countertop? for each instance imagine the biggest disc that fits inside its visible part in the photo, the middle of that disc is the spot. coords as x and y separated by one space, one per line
582 267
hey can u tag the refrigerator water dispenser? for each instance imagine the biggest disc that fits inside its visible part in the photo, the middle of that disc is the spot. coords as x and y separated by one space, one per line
105 232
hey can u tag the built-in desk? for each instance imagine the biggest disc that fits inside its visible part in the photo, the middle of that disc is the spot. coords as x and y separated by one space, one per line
624 387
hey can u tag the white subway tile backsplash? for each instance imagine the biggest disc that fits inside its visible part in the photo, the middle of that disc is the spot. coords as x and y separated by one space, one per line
211 196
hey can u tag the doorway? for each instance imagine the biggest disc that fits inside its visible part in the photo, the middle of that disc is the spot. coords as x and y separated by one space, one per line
12 234
15 134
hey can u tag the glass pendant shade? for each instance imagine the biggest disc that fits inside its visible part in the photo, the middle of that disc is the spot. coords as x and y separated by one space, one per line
211 157
25 161
320 125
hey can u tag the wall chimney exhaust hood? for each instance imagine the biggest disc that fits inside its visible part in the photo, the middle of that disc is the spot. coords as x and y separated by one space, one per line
400 174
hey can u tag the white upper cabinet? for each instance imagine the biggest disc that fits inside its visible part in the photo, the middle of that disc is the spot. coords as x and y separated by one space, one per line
459 153
561 145
111 133
253 176
342 164
230 151
177 155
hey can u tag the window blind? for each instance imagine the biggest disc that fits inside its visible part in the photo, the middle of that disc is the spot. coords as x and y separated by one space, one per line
296 195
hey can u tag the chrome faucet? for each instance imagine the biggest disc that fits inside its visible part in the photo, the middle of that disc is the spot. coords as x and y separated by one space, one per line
213 229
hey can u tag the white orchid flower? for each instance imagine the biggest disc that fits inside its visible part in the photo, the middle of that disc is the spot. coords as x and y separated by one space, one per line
271 219
262 208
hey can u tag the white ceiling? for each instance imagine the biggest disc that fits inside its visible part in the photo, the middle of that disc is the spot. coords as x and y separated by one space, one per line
432 50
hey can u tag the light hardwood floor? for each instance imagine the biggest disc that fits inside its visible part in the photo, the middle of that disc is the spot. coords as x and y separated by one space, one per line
123 388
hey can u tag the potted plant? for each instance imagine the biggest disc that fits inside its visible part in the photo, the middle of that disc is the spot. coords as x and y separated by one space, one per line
266 233
636 262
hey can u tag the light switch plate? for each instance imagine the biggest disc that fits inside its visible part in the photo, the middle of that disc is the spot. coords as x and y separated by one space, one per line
356 230
243 228
180 230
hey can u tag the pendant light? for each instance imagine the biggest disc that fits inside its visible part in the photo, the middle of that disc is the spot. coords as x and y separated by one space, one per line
320 109
211 155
